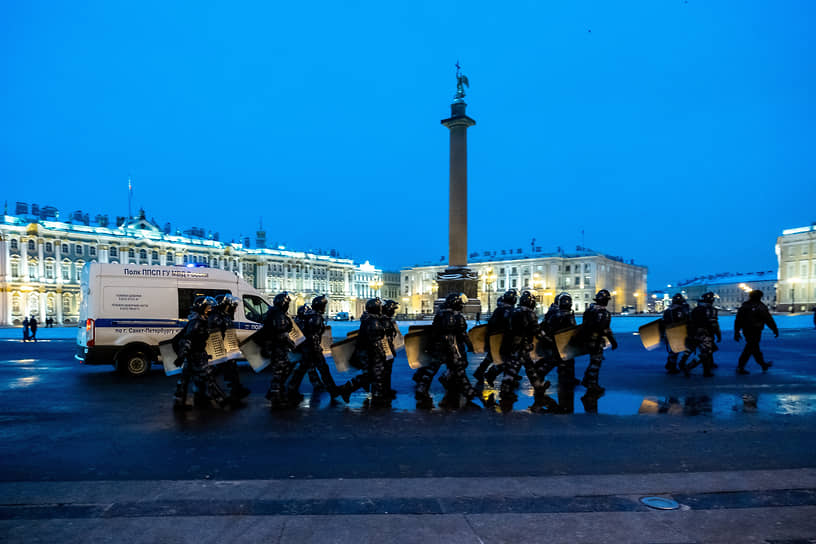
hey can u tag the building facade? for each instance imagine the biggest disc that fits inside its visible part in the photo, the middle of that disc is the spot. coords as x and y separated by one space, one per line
731 288
41 261
796 255
582 274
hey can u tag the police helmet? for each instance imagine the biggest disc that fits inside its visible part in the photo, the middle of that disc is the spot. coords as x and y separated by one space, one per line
510 297
756 294
564 301
708 297
678 299
319 303
374 306
390 307
527 300
282 301
203 305
456 301
226 303
301 311
603 296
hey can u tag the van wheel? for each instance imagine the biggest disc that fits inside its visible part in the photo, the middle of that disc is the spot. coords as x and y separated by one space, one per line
134 362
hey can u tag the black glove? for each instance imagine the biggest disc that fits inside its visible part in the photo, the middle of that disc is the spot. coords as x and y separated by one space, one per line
178 362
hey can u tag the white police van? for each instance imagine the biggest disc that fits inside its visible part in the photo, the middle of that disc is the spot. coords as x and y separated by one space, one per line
126 310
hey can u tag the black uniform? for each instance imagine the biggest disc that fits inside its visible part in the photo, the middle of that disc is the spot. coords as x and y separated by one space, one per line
313 325
191 347
449 344
391 329
752 317
705 328
673 315
594 330
524 328
556 320
369 356
276 346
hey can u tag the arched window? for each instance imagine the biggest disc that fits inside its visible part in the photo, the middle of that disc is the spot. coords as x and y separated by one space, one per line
49 247
14 245
142 254
49 269
114 252
131 253
31 245
170 258
155 256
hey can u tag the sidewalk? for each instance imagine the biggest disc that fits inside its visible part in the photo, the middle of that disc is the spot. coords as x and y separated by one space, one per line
741 506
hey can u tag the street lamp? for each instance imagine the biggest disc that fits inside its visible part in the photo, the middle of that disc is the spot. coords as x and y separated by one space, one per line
490 279
405 302
793 282
375 286
636 300
613 293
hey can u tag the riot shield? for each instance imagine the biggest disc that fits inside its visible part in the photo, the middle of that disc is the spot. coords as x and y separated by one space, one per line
650 334
495 347
676 335
251 349
326 341
351 334
169 356
416 344
478 337
296 335
567 345
222 349
419 328
399 341
342 351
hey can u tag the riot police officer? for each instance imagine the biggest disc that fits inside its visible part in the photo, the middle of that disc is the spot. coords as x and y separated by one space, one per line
677 313
705 327
314 377
558 318
313 324
277 345
449 341
220 319
390 308
499 322
752 317
191 346
595 330
369 355
524 328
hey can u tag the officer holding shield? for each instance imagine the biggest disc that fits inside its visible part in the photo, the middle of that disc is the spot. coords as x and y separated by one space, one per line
276 346
677 313
595 331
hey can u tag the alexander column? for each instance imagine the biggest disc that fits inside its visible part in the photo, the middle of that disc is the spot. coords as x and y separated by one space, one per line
458 278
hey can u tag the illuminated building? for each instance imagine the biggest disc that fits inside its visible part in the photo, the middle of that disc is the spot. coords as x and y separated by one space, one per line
41 258
796 255
731 288
581 274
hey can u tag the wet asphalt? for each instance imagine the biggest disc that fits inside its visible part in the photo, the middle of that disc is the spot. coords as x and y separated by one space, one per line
60 420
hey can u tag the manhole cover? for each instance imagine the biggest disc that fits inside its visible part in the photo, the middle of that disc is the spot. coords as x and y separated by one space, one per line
660 503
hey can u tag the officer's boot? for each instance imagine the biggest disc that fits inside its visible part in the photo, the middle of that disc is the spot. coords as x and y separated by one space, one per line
314 378
590 380
708 366
491 374
180 396
762 362
479 374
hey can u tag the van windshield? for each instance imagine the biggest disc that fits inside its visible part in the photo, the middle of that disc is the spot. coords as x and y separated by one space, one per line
255 308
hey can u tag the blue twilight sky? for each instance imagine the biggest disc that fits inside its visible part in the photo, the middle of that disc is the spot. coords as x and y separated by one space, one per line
677 134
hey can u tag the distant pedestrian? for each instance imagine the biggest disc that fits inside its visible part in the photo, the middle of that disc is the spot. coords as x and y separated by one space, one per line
33 324
25 330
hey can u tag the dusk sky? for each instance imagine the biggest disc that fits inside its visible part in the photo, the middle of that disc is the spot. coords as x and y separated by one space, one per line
679 134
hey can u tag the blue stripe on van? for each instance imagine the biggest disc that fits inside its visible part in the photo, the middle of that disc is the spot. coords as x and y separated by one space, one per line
164 323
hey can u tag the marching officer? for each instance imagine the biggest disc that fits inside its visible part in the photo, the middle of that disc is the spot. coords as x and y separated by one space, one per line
220 319
390 308
313 324
370 355
677 313
595 330
277 346
752 317
524 328
191 346
499 322
558 318
706 327
448 342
